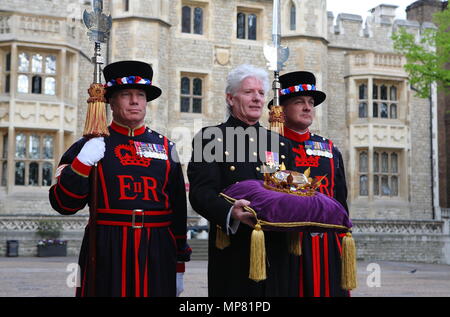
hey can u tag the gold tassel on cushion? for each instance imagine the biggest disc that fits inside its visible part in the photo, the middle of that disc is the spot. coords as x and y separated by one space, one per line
257 255
96 125
295 246
222 239
348 276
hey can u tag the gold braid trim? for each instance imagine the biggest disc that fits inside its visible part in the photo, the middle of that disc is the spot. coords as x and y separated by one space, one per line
285 224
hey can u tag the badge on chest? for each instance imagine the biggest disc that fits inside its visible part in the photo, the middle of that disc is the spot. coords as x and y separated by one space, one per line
318 149
151 150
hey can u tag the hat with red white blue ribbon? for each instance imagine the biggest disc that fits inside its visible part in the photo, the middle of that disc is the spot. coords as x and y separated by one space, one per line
130 75
299 84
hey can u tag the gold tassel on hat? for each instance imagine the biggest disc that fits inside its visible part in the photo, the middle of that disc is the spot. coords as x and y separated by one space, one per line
295 245
95 125
348 276
257 255
222 239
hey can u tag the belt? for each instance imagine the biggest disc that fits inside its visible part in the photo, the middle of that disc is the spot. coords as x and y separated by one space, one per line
136 218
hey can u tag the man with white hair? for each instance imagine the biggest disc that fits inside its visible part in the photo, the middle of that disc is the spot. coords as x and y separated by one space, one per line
230 152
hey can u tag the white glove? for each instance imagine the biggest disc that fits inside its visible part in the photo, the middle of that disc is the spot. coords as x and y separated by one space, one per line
92 151
180 283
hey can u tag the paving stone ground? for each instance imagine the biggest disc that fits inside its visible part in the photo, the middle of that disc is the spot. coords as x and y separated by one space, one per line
47 277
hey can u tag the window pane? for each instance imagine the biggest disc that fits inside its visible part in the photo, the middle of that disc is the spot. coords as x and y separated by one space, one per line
376 186
50 64
363 189
33 176
22 83
5 146
24 62
50 86
197 105
393 111
48 147
7 83
393 93
36 85
363 162
36 63
383 92
252 26
375 92
198 21
19 178
394 163
376 162
21 149
363 91
186 19
394 186
385 190
184 104
362 110
197 82
384 110
4 173
375 110
293 22
8 62
47 170
185 86
240 26
33 146
384 163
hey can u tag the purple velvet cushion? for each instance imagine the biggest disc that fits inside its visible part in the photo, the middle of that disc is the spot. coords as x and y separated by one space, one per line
278 207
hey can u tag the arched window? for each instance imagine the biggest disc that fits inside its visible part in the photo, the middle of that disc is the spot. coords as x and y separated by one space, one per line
363 91
362 110
292 17
186 19
363 186
363 162
198 21
19 178
192 20
240 25
393 111
33 177
191 94
252 26
393 93
47 169
36 84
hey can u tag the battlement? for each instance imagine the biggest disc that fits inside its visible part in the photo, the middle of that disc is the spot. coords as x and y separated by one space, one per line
351 31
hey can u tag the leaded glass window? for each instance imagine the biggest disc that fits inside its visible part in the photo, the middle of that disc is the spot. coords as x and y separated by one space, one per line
292 17
191 94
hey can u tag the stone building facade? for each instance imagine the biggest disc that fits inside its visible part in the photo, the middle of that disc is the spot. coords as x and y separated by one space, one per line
370 113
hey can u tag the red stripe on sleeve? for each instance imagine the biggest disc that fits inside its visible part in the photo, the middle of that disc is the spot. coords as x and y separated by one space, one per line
69 193
81 168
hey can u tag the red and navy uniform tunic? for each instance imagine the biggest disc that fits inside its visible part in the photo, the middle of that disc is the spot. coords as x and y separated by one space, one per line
139 260
317 272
